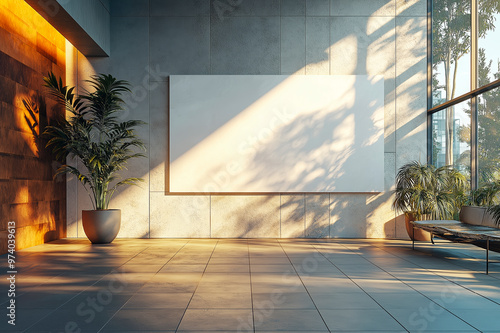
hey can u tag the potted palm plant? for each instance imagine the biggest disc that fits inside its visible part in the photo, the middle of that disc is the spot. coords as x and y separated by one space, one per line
487 196
94 134
425 192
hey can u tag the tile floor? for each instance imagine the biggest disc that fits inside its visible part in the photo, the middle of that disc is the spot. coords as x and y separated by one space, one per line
246 285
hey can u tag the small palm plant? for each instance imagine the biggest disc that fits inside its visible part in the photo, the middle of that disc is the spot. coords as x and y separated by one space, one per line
487 195
426 191
93 134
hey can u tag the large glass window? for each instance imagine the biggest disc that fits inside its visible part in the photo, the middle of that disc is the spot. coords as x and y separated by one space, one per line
488 135
465 123
460 137
488 41
451 45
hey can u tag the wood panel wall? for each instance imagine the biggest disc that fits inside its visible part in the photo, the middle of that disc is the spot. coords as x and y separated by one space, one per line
29 48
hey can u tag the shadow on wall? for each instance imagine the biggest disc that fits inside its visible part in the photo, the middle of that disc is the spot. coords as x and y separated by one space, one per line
36 110
29 46
35 207
37 119
329 146
234 102
369 43
309 134
339 215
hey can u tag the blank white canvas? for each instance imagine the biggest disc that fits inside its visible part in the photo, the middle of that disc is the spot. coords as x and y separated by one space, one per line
274 133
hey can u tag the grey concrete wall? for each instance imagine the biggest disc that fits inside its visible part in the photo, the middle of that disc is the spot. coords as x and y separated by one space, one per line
85 23
152 39
93 16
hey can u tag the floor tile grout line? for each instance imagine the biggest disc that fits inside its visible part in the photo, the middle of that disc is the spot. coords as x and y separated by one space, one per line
137 291
251 288
453 262
197 285
411 287
187 242
444 278
60 306
437 275
364 249
347 276
82 246
81 292
300 278
87 287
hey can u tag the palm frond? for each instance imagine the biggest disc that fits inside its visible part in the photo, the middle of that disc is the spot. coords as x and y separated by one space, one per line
423 189
495 211
93 133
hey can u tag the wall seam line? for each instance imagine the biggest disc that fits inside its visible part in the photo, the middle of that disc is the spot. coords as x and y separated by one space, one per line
395 107
210 216
149 122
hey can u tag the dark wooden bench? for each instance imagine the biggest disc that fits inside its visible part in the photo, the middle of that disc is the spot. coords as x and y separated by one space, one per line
476 226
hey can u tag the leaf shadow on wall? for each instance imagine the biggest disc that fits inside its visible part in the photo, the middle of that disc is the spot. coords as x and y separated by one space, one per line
36 118
405 126
330 149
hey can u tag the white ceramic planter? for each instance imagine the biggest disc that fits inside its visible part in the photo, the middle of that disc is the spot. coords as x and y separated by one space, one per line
101 226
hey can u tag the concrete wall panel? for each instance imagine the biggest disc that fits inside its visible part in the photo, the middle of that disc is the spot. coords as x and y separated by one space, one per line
180 45
363 8
181 8
348 215
179 216
293 45
317 45
411 88
125 63
318 7
129 7
255 216
317 216
385 37
411 8
292 216
363 45
220 10
293 8
245 45
93 17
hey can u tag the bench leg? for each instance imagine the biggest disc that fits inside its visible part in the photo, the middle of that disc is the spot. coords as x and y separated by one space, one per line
432 238
487 254
413 237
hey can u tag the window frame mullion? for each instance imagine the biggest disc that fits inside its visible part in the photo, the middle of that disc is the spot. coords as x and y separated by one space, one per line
474 115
